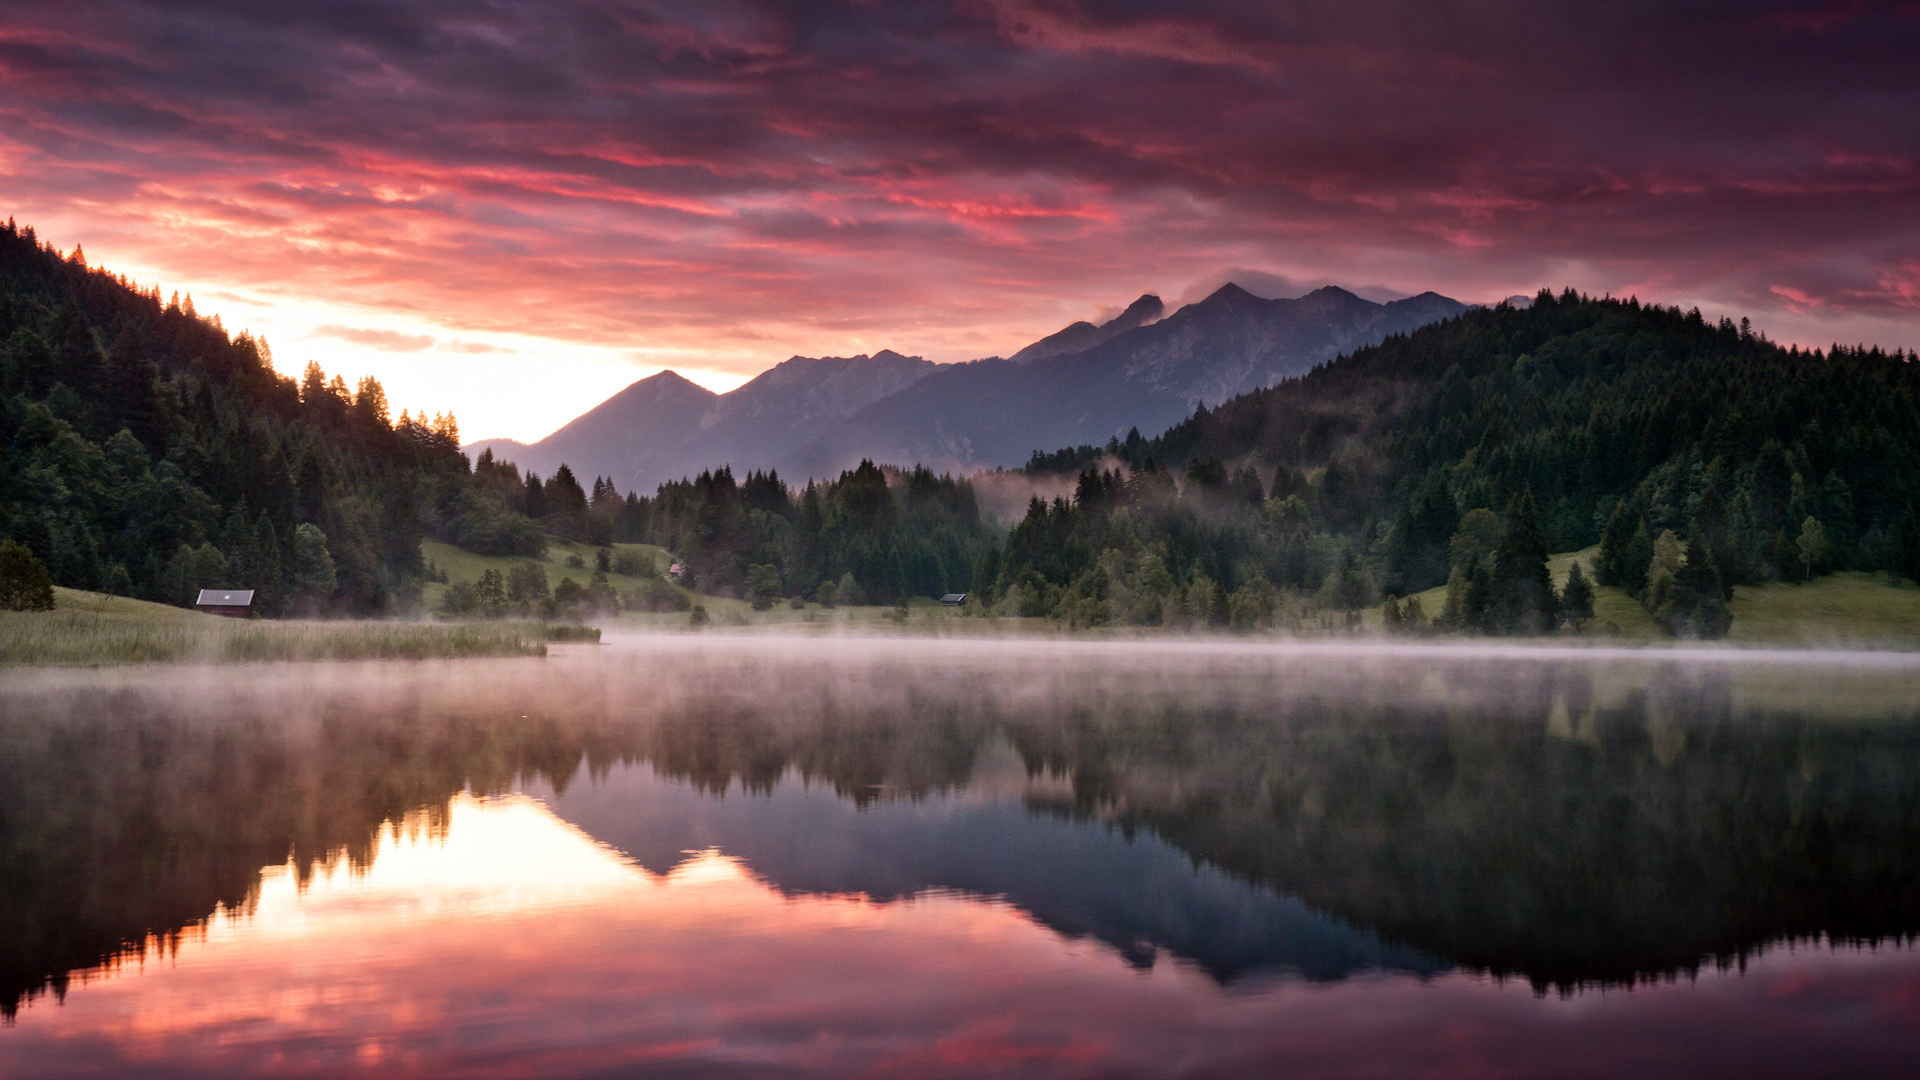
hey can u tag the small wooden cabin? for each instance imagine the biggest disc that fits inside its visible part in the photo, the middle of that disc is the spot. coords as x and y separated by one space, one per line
233 603
954 599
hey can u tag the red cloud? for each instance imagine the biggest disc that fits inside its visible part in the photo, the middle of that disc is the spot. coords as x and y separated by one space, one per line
745 181
384 340
1800 299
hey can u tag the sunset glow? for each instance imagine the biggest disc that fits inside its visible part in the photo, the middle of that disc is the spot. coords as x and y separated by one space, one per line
512 212
506 942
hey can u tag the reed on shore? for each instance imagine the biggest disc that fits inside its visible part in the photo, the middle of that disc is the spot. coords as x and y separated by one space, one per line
96 637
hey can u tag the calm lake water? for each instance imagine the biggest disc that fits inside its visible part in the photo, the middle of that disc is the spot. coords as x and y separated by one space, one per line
769 857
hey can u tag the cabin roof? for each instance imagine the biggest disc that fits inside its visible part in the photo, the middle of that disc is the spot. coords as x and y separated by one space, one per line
953 598
225 598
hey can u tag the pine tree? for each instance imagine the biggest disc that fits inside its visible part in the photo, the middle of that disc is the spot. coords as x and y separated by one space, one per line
1523 598
270 569
1350 588
1692 604
1636 559
566 505
1615 541
1477 605
237 541
1576 600
370 404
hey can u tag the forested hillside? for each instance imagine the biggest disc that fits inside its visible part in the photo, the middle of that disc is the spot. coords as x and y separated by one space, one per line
1698 455
149 453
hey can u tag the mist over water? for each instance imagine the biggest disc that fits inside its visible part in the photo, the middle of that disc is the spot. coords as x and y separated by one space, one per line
752 854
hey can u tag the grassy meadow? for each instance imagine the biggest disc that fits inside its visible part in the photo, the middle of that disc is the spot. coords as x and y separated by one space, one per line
1839 609
1845 609
459 564
726 611
88 629
921 615
1616 615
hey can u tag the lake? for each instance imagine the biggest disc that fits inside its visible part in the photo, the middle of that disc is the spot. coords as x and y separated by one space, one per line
762 856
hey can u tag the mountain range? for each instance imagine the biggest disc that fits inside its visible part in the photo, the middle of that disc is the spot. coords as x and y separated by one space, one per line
664 426
813 416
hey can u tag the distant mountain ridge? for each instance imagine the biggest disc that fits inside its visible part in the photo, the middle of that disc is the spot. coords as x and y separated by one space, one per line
664 426
1081 336
663 409
813 416
997 412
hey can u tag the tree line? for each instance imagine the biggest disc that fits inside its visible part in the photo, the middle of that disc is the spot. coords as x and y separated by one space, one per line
872 535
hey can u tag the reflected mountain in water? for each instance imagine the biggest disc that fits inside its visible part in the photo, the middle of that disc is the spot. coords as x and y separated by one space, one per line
1130 890
1570 822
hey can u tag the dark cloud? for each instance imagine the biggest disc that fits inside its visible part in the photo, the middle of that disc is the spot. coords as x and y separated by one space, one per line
953 178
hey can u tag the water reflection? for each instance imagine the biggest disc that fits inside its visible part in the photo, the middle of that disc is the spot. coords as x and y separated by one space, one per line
1137 894
923 858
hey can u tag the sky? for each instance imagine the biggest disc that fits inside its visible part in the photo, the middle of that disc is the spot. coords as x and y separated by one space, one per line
510 210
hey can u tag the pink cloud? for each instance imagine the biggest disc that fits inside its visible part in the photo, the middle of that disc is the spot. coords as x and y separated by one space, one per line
1799 299
384 340
742 183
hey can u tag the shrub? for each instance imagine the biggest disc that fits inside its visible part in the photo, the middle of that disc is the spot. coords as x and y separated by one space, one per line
460 599
763 585
24 582
600 595
527 587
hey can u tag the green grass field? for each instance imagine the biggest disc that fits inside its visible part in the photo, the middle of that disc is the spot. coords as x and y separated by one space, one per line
79 601
723 611
1839 609
89 629
461 565
922 616
1615 614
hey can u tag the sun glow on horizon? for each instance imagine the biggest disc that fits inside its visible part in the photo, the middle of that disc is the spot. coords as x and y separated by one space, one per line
497 385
